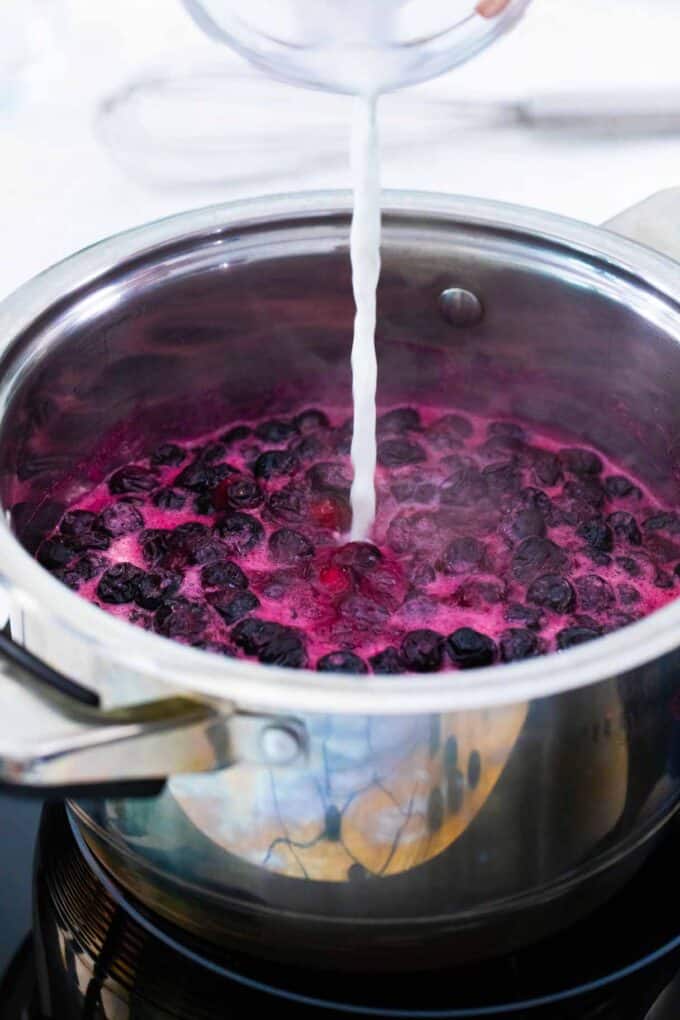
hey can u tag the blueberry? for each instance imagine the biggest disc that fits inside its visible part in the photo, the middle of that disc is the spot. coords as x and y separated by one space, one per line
83 531
84 569
275 431
517 644
411 490
551 592
311 420
409 532
272 643
288 546
535 499
211 452
468 648
275 462
360 556
570 637
233 606
155 544
288 505
628 594
448 432
341 662
240 532
169 499
593 593
191 543
535 556
527 615
506 428
363 613
224 574
583 463
620 487
328 477
131 479
600 559
236 434
597 534
663 580
465 486
630 565
203 504
156 587
168 454
387 662
55 553
462 556
421 651
625 527
503 477
546 467
664 521
527 524
181 619
121 519
582 494
202 477
420 573
308 448
401 419
394 453
119 583
237 493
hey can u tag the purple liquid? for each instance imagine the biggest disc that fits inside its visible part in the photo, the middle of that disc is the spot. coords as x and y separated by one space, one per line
492 544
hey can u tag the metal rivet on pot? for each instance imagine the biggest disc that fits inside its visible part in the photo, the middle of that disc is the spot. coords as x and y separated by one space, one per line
279 745
460 307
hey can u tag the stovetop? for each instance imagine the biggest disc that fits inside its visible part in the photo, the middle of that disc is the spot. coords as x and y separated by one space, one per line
102 957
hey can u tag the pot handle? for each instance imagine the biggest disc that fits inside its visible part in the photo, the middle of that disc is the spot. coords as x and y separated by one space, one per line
56 741
655 222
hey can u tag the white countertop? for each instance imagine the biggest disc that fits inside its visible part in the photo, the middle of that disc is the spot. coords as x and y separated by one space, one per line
61 188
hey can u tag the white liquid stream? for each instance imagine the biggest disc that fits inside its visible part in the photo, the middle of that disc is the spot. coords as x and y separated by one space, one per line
365 258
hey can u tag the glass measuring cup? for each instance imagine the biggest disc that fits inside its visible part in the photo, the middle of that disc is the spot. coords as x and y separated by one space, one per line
354 45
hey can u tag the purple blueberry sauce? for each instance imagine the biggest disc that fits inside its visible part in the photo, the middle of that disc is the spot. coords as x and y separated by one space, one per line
492 544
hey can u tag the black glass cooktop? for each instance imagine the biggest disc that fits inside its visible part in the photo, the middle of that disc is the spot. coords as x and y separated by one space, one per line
96 955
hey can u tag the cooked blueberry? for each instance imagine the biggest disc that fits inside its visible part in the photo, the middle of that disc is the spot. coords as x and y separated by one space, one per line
288 504
275 431
387 662
583 463
143 620
217 648
224 574
233 606
84 569
203 504
401 419
570 637
272 643
287 546
155 544
506 428
597 534
169 499
546 467
237 493
600 559
468 649
462 556
420 573
580 497
191 543
330 511
121 519
363 613
527 524
502 478
168 454
535 499
83 531
620 487
625 527
593 593
341 662
628 595
535 556
201 476
400 452
422 650
448 432
664 521
275 462
527 615
132 479
119 583
663 580
308 448
465 486
551 592
311 420
181 619
411 490
518 643
328 477
211 452
155 587
55 553
236 434
360 556
239 532
630 565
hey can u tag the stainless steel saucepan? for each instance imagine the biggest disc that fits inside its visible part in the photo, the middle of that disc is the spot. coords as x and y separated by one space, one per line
360 822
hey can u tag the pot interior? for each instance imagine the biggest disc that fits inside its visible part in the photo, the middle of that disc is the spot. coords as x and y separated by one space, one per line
236 321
